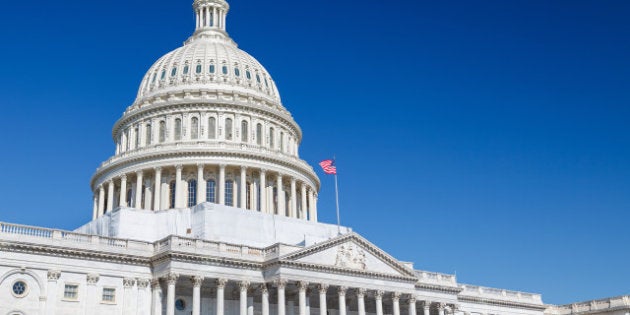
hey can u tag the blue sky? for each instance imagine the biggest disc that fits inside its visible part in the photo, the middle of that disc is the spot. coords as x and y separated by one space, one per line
489 138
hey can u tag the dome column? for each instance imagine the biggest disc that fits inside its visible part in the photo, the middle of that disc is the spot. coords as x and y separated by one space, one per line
222 184
303 205
101 200
110 196
123 191
280 197
158 188
263 191
95 208
138 202
293 212
243 188
178 187
201 196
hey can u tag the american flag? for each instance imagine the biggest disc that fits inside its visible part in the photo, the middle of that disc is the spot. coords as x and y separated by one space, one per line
328 167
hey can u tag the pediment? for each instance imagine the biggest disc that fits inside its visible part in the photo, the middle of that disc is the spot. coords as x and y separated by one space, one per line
353 253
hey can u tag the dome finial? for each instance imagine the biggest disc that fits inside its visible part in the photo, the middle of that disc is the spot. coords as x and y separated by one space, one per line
210 15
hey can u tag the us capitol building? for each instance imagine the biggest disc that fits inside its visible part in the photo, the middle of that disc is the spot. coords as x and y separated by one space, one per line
207 208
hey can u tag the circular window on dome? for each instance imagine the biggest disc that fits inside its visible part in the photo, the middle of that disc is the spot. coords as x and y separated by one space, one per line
19 289
180 304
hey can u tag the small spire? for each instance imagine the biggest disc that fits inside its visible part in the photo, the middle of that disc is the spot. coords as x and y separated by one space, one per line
210 15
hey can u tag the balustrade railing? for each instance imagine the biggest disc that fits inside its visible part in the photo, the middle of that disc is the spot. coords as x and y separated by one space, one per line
473 290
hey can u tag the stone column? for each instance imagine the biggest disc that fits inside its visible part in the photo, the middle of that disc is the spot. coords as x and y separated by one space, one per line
179 193
221 184
220 296
281 301
313 207
243 286
123 191
396 303
243 188
196 304
156 299
201 185
263 191
302 286
378 297
138 202
426 307
144 297
95 208
412 305
128 284
302 214
157 203
92 291
361 301
280 189
101 201
264 299
51 291
293 211
323 308
342 300
110 196
171 280
441 308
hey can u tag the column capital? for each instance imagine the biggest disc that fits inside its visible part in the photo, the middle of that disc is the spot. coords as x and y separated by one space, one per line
155 283
200 166
123 177
171 278
179 167
53 275
322 287
100 187
361 292
263 288
243 167
243 285
379 294
129 282
395 296
222 166
426 304
158 169
342 290
441 306
91 278
263 170
280 283
196 281
143 283
293 180
302 285
412 299
221 282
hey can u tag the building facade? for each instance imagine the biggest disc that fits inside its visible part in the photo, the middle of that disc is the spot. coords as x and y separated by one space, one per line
207 208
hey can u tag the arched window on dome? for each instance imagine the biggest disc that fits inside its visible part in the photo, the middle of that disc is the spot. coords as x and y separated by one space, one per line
224 69
154 77
237 72
271 140
212 69
228 129
212 128
258 78
244 131
198 69
163 76
194 128
248 75
186 69
162 137
148 139
192 193
171 190
174 71
178 129
229 193
259 134
211 191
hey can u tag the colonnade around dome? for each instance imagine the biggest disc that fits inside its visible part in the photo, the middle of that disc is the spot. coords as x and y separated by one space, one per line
185 186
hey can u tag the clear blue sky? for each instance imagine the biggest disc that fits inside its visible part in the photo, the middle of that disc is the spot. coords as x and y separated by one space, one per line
490 138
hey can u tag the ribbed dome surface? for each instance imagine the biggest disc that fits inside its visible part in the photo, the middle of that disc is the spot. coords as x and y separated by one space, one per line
208 63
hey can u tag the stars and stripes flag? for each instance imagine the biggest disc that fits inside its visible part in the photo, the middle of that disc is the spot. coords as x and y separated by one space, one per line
329 167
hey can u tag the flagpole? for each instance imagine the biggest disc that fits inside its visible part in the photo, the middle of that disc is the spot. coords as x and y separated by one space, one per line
337 201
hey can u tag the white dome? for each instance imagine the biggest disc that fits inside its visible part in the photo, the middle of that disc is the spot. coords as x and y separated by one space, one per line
211 63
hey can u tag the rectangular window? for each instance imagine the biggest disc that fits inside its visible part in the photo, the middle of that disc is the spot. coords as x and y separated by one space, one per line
71 292
109 295
229 193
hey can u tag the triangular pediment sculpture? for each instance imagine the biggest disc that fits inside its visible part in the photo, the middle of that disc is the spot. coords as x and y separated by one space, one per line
353 253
